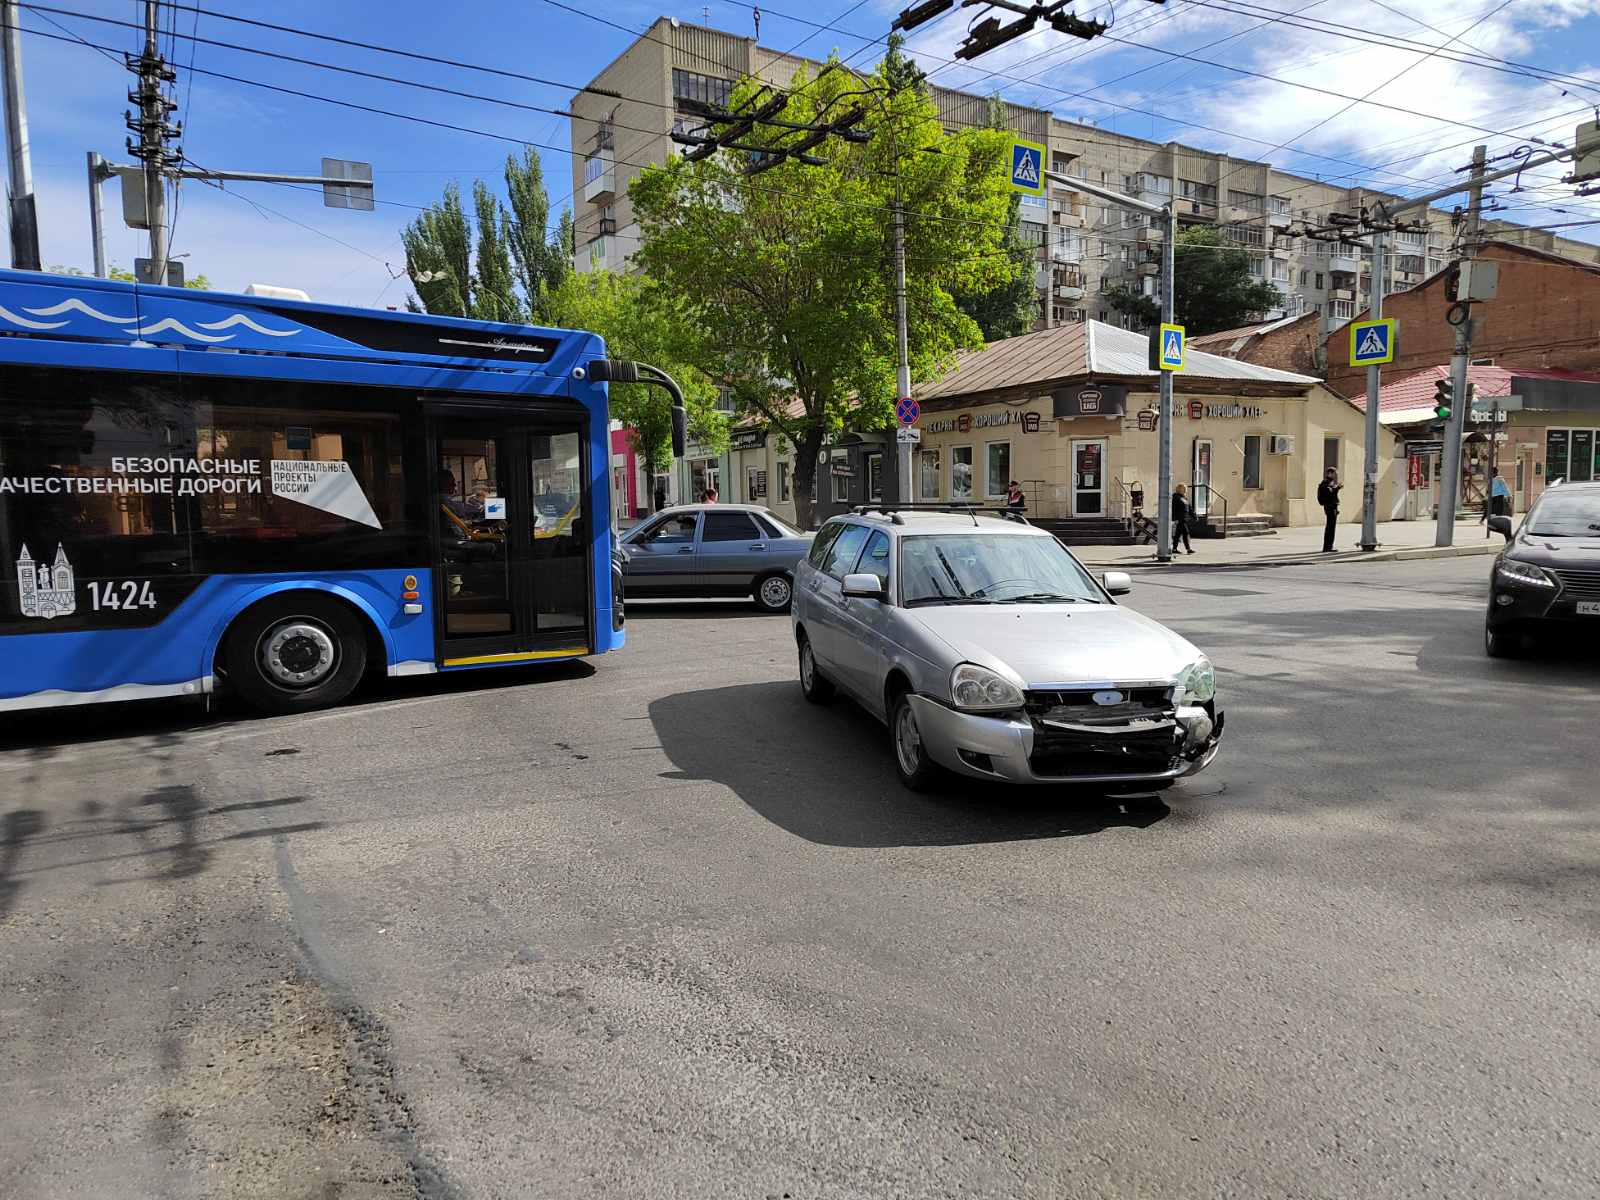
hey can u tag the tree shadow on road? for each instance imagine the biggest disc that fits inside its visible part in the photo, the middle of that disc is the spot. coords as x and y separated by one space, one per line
824 774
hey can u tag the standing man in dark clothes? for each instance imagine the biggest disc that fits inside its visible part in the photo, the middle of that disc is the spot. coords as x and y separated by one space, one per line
1328 497
1181 512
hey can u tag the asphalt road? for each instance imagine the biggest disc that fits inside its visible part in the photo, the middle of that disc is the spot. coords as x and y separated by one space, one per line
655 927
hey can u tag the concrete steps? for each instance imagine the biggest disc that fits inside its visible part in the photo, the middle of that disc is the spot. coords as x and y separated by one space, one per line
1088 531
1247 525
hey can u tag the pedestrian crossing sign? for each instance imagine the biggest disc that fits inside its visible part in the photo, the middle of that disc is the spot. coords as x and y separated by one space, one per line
1170 356
1371 342
1027 167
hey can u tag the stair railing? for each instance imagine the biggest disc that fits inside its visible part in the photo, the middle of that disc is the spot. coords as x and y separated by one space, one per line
1212 496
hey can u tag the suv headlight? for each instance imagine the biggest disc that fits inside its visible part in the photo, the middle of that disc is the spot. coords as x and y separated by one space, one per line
1198 682
978 689
1526 573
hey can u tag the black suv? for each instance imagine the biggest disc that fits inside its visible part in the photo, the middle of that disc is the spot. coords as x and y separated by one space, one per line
1548 576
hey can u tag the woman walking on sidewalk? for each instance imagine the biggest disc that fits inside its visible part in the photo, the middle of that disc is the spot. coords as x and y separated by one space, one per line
1181 512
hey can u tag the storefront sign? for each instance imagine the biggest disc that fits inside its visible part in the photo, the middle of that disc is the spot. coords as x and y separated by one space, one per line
1148 417
1092 400
966 422
1416 476
747 439
842 470
1197 410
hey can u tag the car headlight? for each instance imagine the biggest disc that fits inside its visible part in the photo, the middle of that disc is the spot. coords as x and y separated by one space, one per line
1513 571
976 688
1198 682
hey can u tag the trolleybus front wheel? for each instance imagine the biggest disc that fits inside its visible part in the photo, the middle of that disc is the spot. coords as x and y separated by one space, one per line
295 652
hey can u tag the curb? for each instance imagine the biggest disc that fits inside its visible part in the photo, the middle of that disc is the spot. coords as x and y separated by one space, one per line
1314 558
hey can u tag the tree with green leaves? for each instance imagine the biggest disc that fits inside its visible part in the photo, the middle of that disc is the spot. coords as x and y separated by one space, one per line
197 283
789 273
517 264
1214 289
641 321
1012 307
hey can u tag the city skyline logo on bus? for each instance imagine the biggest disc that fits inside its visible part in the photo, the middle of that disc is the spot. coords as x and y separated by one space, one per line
46 590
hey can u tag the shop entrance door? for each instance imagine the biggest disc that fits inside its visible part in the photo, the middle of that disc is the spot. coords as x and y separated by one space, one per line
1200 488
1088 477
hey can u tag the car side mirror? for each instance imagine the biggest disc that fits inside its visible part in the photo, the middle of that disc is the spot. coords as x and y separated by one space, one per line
1502 526
864 586
1118 583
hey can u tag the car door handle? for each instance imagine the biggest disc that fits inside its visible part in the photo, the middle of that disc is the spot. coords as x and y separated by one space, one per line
758 546
685 549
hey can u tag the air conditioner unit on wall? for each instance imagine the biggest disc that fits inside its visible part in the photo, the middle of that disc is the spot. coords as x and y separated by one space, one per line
1280 443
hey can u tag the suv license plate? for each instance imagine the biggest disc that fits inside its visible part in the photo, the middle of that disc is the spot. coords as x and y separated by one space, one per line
1589 608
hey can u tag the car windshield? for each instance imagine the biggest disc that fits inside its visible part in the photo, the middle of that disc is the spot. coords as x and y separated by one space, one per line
991 568
784 527
1566 514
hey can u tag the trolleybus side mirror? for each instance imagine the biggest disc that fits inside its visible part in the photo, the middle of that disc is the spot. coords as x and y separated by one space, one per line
626 370
680 430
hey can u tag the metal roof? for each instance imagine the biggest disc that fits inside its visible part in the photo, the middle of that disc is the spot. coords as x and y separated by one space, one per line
1080 350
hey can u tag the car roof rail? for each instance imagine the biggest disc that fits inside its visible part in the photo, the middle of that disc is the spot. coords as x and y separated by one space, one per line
974 511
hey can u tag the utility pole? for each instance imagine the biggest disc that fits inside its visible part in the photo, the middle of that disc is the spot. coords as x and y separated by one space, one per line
99 172
1169 299
902 339
1451 483
1369 464
154 133
24 218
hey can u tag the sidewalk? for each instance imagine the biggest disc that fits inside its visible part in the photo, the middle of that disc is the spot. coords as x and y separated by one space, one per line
1397 540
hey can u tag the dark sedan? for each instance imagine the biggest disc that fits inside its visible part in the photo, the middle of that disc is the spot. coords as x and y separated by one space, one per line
715 550
1548 576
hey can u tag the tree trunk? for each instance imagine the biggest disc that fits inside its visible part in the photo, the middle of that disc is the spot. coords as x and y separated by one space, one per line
805 478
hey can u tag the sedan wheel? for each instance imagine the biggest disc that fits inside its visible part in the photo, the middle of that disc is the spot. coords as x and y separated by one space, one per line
774 593
1499 645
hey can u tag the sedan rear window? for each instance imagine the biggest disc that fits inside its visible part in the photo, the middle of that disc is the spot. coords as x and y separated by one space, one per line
991 568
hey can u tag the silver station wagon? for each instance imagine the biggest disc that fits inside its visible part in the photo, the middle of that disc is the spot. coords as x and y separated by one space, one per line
990 652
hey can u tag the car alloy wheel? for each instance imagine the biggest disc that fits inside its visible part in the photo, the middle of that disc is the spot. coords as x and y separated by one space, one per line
907 740
813 685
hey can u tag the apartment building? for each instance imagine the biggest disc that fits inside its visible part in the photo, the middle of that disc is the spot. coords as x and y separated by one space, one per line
676 72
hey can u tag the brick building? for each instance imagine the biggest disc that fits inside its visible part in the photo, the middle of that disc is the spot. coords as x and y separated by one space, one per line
1292 344
1547 315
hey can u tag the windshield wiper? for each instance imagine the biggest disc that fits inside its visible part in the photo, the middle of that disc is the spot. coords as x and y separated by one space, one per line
950 600
1046 598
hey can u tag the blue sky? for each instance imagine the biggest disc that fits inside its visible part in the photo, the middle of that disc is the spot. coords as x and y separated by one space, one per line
76 98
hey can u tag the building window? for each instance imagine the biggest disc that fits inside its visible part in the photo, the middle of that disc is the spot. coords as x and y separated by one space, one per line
1319 283
1342 310
875 476
1412 263
783 482
997 469
1248 201
1205 193
1305 278
595 166
1278 271
1245 235
1572 454
1252 462
1278 206
841 488
697 92
754 485
961 473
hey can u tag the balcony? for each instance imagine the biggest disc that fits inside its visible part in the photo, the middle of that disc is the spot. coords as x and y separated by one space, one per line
1346 264
599 176
1065 218
607 225
1280 220
1196 210
1341 293
1066 251
1148 268
1070 292
1152 235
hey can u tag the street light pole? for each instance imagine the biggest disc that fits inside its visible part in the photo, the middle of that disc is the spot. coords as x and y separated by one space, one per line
903 379
21 211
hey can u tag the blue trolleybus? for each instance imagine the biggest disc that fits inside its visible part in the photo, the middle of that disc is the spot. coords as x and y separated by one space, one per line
199 490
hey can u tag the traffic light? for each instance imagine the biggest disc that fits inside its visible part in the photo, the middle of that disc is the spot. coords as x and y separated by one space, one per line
1443 394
